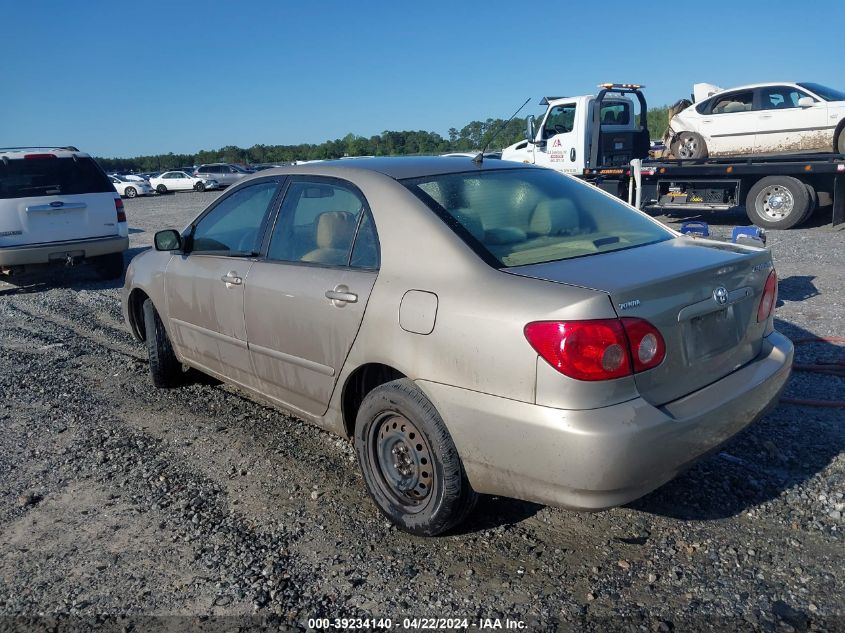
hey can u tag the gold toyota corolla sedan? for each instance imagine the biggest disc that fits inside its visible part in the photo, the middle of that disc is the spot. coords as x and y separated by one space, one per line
474 328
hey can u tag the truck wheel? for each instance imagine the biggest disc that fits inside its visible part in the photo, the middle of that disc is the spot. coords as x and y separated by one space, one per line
410 465
777 202
165 368
689 146
811 208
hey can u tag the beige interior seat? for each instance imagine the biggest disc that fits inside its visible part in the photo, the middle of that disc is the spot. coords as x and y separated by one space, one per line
335 230
557 216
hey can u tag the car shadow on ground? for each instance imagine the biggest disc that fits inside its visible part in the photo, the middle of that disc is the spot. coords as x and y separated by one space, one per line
79 277
494 512
796 288
789 446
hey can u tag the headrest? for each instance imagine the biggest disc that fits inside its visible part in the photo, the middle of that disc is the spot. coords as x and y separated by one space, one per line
553 217
335 229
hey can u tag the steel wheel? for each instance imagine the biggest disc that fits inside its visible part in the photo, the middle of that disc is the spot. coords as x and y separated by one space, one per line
403 459
688 147
775 202
130 192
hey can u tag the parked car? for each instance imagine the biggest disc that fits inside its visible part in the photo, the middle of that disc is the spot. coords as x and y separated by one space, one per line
181 181
223 173
135 177
770 118
474 328
58 206
130 188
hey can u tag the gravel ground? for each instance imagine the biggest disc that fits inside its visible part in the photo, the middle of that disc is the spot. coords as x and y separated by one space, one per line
124 501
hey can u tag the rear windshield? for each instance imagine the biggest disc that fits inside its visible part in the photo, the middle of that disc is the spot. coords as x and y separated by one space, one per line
24 178
517 217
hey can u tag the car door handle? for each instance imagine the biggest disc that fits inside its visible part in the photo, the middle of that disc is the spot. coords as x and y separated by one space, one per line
342 294
765 116
231 279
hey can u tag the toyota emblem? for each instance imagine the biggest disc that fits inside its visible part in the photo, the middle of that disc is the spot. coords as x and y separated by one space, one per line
720 294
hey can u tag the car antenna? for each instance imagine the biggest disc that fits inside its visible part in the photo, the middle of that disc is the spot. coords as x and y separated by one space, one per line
480 156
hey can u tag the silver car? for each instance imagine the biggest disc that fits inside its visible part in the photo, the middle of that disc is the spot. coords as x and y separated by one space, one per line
473 328
224 173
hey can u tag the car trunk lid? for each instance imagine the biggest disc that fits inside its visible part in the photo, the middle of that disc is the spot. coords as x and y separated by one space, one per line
702 296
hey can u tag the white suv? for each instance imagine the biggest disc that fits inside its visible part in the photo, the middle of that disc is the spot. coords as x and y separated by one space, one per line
58 206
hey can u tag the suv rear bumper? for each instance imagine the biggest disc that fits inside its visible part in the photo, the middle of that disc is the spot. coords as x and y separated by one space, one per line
27 254
599 458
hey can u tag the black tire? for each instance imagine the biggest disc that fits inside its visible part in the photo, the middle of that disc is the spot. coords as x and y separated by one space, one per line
777 202
130 192
109 266
814 201
200 186
161 189
165 368
840 141
410 465
689 146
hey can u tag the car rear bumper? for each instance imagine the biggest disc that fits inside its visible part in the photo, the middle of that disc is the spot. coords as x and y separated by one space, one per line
600 458
28 254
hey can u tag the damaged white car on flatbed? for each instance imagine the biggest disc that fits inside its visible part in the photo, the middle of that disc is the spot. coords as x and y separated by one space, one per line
770 118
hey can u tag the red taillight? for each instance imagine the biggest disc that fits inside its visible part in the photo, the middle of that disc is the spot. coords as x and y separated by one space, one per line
121 214
647 346
769 298
38 156
600 349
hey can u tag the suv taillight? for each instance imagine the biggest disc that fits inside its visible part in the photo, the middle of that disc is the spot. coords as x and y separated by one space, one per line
599 349
118 206
769 298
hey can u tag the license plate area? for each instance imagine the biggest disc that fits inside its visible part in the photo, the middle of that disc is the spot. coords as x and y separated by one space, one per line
711 334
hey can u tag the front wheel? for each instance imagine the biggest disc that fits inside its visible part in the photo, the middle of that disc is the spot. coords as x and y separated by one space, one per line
200 186
130 192
777 202
161 189
689 146
410 465
165 368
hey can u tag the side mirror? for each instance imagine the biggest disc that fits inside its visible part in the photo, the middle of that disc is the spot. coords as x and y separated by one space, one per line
530 132
806 102
168 240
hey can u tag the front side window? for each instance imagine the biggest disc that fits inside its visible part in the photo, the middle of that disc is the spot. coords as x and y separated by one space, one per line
317 224
734 102
233 226
780 97
561 120
516 217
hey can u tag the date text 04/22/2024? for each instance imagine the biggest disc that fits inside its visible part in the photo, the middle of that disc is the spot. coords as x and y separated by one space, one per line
417 624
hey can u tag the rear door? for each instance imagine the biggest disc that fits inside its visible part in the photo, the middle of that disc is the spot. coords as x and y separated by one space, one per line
304 304
47 197
205 285
730 127
786 127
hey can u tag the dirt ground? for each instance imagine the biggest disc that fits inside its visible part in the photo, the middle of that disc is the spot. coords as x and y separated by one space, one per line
123 507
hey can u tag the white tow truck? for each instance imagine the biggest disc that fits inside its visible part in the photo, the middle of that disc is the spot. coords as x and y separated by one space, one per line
604 139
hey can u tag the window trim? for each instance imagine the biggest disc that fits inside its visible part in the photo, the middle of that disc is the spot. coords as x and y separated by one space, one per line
328 180
272 208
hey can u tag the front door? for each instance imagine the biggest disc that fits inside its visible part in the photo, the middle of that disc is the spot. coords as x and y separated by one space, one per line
786 127
205 285
304 304
560 152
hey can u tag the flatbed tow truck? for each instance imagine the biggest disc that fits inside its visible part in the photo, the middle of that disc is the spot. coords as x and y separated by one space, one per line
598 138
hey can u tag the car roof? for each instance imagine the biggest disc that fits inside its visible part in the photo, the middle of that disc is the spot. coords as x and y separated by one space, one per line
60 152
399 167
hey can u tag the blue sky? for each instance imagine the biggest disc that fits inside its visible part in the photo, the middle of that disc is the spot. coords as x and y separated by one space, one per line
123 79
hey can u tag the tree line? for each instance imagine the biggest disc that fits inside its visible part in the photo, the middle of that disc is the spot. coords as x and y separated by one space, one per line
472 136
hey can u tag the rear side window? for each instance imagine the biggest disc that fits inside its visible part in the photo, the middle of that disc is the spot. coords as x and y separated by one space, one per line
734 102
517 217
24 178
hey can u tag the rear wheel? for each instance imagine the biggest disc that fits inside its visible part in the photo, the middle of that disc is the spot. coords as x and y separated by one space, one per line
161 189
165 368
811 208
840 141
109 266
688 146
200 186
777 202
130 192
410 464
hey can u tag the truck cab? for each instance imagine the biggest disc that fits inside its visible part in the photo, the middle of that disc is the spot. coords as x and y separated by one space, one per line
580 132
